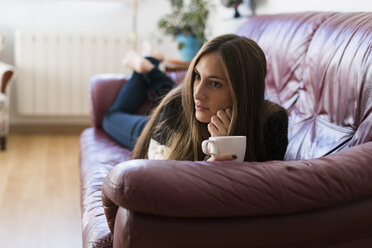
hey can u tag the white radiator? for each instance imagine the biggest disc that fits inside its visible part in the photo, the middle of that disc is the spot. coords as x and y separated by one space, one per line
54 69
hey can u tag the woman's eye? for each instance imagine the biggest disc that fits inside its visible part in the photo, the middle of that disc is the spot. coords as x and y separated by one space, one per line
216 84
197 76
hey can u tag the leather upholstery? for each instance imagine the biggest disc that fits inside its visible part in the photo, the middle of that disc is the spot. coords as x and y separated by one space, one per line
320 69
232 186
99 154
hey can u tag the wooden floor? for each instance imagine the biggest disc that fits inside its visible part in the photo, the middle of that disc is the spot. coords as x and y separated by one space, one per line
40 192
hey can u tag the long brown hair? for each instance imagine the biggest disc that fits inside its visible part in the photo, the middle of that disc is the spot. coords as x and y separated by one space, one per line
244 65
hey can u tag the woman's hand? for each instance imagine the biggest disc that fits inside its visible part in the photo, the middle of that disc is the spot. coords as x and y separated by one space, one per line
220 123
222 157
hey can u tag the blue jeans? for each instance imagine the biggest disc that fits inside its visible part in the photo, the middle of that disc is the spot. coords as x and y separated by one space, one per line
122 122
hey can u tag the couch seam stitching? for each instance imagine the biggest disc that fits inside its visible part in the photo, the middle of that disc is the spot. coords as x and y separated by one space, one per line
278 182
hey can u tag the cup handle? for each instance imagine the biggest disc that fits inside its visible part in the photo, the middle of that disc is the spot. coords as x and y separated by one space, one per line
205 146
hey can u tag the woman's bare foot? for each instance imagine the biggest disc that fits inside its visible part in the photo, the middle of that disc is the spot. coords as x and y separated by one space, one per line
136 62
148 50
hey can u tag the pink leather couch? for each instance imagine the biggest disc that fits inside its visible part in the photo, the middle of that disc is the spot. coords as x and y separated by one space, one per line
320 69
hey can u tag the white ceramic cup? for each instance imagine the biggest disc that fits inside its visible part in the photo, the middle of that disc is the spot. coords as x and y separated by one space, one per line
225 144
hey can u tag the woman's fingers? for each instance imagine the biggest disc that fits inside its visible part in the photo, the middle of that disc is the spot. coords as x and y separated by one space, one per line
215 120
222 157
229 113
224 118
220 123
215 127
212 130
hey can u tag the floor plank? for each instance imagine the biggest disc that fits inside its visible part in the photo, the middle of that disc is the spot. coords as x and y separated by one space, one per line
40 192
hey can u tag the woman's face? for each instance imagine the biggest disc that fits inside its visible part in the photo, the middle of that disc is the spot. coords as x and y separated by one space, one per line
211 90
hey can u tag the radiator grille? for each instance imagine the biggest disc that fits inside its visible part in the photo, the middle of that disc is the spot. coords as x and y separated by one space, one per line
54 69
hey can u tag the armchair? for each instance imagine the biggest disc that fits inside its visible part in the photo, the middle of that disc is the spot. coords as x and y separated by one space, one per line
6 77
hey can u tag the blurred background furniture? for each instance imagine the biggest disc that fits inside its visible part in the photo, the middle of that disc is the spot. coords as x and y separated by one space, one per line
6 77
174 65
320 70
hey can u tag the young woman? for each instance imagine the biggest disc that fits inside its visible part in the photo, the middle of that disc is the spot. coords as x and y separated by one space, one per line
222 94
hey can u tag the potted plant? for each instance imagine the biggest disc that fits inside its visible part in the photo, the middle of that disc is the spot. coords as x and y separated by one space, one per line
187 24
233 3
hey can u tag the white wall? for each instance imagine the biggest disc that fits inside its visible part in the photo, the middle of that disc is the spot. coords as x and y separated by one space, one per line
222 21
281 6
76 15
114 15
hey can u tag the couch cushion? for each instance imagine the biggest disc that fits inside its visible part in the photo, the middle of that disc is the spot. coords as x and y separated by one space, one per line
334 99
285 39
98 155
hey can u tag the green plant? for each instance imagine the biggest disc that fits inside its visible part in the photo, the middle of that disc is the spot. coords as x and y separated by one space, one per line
189 19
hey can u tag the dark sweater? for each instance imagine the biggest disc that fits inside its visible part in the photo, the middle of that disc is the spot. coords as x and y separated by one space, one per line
275 128
276 135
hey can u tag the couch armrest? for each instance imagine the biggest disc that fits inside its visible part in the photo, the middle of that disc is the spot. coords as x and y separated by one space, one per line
7 75
103 91
231 189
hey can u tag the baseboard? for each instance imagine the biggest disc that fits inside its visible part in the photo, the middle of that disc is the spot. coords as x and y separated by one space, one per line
47 129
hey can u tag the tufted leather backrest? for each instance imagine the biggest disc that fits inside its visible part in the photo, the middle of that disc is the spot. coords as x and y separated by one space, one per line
320 70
